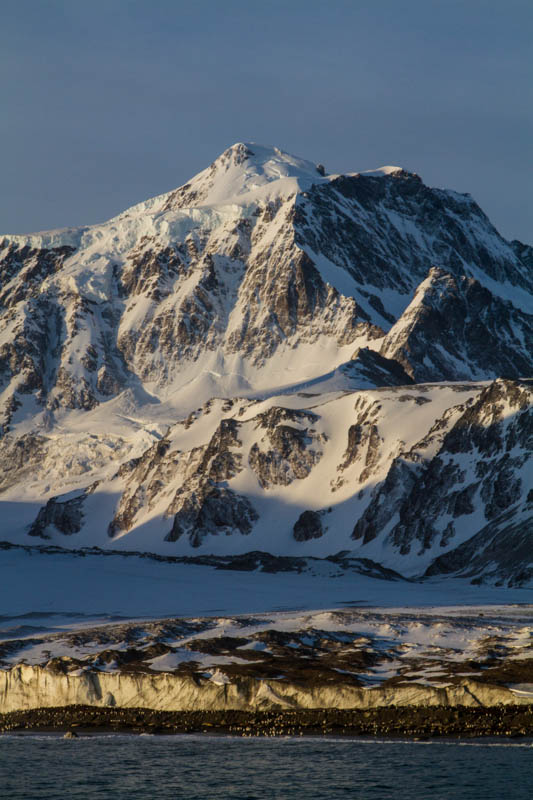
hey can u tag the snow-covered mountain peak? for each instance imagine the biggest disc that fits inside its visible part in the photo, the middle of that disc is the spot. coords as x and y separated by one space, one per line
352 409
243 173
267 160
245 167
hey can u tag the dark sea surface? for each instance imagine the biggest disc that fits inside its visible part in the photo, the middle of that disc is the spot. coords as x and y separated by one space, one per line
200 767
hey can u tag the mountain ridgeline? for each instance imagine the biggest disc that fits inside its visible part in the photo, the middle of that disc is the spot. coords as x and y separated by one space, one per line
271 358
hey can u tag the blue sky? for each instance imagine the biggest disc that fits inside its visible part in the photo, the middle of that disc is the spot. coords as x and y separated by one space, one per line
105 104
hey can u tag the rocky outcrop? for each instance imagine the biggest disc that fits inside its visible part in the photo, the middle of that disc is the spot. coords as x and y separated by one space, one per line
144 477
456 329
386 232
66 516
209 510
377 370
286 452
499 554
364 443
481 464
199 505
219 461
308 526
20 457
29 265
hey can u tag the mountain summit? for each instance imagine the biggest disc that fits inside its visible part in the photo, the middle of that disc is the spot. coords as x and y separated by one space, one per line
300 300
245 171
248 172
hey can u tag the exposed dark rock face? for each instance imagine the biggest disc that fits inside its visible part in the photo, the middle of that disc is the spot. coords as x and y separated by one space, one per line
212 510
290 455
473 469
308 526
401 479
377 370
524 252
363 440
194 481
500 553
289 458
456 329
19 457
199 505
45 318
219 461
144 478
30 266
370 233
66 516
34 329
151 272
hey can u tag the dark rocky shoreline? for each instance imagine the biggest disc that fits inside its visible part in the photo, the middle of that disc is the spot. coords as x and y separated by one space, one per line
411 721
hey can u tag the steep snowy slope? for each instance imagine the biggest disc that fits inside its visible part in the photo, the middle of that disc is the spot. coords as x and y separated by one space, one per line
402 475
311 304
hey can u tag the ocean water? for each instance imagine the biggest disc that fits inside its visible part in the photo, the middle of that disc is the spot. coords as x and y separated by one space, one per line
35 766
